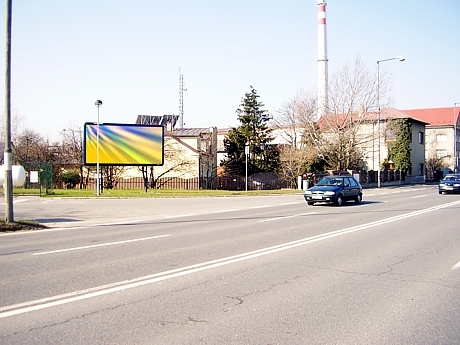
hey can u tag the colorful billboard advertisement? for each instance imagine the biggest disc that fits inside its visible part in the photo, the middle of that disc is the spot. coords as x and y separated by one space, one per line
123 144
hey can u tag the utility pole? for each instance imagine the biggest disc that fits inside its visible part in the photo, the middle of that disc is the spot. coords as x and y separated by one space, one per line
8 154
455 138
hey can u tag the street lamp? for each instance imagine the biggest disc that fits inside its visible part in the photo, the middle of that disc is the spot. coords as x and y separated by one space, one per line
98 104
246 153
399 58
455 137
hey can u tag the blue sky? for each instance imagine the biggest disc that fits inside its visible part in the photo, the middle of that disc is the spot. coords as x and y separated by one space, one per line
67 54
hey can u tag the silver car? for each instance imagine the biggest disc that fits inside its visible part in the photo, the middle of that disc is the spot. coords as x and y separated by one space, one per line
449 184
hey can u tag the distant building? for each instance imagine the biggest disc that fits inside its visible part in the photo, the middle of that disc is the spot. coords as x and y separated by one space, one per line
367 135
432 134
189 152
442 133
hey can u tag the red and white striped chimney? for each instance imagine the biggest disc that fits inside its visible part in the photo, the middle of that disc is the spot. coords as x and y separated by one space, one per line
322 60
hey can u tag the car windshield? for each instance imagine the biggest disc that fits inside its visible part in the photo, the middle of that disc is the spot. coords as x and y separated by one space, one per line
330 181
452 178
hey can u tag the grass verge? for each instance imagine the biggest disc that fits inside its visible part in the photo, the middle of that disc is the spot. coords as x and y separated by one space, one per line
151 193
20 225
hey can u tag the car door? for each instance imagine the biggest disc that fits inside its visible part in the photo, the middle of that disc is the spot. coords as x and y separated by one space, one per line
354 188
347 189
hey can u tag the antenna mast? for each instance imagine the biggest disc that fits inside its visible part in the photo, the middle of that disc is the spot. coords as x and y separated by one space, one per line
181 100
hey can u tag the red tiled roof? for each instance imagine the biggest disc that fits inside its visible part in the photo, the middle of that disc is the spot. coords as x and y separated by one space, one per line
435 116
392 113
340 120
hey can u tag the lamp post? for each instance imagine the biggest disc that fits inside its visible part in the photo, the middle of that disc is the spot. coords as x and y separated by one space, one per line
399 58
246 153
98 104
455 137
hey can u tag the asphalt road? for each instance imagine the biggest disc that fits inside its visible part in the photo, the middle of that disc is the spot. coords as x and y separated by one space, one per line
234 270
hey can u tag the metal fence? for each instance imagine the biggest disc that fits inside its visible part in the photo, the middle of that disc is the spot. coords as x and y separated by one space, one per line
162 183
224 183
254 182
239 183
368 177
45 176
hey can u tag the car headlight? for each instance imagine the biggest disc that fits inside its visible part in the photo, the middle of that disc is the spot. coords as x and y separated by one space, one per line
329 193
307 192
441 185
457 185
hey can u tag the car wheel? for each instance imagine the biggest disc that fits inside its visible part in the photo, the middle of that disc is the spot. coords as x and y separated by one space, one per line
339 200
358 199
439 192
311 203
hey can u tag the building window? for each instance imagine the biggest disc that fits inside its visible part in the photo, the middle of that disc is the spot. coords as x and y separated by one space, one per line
441 137
420 169
441 153
420 138
220 145
390 135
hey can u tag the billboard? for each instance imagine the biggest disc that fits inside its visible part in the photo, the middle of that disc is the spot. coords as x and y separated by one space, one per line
123 144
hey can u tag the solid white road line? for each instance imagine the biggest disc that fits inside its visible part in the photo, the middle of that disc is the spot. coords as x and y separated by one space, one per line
16 201
100 245
285 217
125 222
116 223
48 302
223 211
456 266
181 215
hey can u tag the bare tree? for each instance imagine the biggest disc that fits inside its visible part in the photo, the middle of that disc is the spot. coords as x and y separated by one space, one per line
296 161
26 147
35 153
176 164
72 143
437 158
346 134
434 163
16 122
111 175
72 151
297 154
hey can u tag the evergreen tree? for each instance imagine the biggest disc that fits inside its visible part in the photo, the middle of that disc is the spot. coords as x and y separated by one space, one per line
253 130
400 150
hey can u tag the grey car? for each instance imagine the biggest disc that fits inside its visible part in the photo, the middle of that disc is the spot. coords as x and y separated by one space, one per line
449 184
335 190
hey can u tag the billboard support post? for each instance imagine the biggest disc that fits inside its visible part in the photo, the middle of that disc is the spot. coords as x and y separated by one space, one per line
98 104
